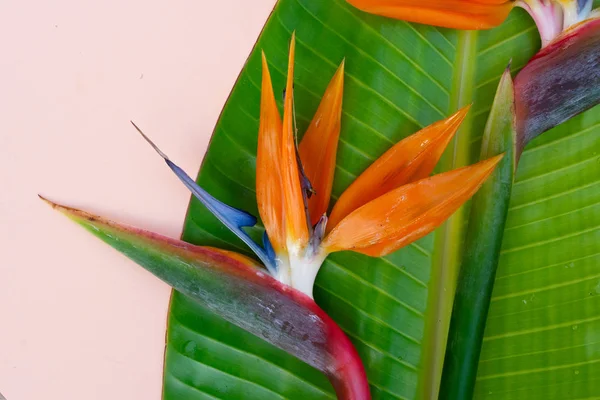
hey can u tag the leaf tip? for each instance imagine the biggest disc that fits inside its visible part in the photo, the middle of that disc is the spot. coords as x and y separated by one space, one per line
72 213
68 211
45 200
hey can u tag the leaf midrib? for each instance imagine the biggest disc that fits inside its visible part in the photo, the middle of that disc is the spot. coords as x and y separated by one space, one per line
447 246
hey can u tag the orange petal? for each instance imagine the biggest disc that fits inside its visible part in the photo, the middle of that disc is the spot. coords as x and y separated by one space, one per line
457 14
268 170
319 146
293 201
408 213
409 160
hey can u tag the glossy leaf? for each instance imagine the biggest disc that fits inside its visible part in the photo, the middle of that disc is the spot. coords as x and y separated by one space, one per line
542 334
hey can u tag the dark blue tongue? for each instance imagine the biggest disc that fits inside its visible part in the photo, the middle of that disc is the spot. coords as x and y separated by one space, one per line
233 218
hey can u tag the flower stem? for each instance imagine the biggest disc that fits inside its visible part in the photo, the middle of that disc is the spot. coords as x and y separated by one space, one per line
482 251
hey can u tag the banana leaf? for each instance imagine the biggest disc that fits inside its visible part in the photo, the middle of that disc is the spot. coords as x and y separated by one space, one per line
543 331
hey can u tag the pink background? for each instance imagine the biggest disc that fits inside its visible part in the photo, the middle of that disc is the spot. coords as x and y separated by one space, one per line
78 320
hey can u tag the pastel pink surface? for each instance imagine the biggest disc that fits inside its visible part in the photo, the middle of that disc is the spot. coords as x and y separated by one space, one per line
78 320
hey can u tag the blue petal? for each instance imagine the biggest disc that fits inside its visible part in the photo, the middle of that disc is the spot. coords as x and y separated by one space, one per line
584 7
269 248
234 215
231 217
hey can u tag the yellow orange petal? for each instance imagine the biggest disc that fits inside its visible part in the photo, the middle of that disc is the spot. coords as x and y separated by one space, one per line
457 14
268 169
408 213
409 160
319 146
293 201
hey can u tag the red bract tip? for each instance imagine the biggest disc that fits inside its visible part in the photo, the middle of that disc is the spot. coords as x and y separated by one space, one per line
559 82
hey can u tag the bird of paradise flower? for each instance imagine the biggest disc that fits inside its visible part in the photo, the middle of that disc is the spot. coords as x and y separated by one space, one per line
390 205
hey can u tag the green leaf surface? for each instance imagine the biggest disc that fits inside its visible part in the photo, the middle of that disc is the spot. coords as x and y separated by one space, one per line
543 334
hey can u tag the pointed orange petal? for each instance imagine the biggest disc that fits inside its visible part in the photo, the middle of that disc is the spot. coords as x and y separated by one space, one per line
268 170
319 146
293 201
457 14
408 213
409 160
